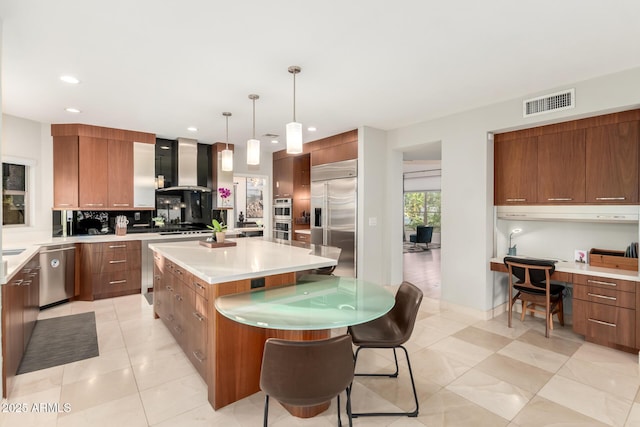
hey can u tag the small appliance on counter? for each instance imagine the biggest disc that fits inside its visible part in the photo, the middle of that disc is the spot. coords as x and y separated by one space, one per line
121 225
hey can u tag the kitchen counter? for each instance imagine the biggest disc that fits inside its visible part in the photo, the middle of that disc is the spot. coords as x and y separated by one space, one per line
581 268
252 257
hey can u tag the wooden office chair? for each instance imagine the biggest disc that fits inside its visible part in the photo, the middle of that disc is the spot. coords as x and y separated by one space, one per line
534 289
307 373
391 331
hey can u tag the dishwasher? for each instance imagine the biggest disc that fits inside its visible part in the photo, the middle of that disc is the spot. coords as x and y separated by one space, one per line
57 274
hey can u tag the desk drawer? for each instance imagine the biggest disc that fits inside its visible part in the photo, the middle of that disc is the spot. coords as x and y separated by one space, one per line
605 282
604 323
605 295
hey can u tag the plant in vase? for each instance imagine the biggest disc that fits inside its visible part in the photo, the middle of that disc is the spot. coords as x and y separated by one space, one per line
225 193
218 229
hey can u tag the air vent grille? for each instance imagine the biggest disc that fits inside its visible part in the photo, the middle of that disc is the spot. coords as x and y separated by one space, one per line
548 103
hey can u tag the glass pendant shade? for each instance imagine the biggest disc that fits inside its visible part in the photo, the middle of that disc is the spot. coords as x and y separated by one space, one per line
294 138
253 152
227 160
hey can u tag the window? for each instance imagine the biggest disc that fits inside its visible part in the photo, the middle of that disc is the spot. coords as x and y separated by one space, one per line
422 208
14 194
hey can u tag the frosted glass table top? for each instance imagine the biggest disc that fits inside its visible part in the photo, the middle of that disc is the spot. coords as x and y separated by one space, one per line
316 302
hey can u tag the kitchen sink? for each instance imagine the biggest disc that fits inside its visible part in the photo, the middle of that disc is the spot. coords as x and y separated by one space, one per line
9 252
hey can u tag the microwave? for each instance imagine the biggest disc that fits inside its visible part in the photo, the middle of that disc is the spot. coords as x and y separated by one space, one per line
282 209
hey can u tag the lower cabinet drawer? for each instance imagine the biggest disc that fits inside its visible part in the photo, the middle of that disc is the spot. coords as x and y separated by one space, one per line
605 296
604 323
115 282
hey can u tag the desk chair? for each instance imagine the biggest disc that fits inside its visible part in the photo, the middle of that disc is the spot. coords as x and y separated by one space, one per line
391 331
534 289
307 373
423 234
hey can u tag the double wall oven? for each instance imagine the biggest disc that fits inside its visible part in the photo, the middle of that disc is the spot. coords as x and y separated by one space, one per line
282 216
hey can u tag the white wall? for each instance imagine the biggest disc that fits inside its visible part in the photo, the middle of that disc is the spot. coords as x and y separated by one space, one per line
467 181
31 142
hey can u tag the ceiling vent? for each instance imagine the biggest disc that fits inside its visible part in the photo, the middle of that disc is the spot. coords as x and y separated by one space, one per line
547 103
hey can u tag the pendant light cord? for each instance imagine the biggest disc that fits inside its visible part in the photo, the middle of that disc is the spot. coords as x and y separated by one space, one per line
294 97
254 117
227 140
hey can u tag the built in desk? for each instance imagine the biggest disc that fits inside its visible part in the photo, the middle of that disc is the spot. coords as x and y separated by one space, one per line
606 302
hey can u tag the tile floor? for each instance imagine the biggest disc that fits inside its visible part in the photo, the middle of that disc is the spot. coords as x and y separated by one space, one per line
468 372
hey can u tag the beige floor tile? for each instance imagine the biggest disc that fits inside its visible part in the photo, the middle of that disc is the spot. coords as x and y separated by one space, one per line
375 360
553 343
534 356
443 324
100 389
364 399
56 311
498 325
107 361
634 416
446 408
501 398
173 398
619 361
616 383
462 351
37 381
513 371
127 411
424 336
153 371
542 412
587 400
28 410
109 335
482 338
437 367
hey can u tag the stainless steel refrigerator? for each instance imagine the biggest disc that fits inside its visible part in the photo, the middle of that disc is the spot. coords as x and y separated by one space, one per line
334 201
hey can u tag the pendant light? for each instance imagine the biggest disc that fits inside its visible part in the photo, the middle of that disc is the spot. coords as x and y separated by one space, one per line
227 155
253 145
294 129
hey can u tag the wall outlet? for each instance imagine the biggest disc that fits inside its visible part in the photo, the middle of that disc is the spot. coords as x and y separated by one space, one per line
136 216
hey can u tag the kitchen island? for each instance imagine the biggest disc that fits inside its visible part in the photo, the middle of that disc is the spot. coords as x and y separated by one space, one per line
188 277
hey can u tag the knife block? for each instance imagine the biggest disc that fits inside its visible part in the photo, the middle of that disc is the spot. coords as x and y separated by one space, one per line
121 231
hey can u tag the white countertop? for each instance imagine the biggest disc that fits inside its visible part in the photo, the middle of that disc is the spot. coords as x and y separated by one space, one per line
587 269
303 231
252 257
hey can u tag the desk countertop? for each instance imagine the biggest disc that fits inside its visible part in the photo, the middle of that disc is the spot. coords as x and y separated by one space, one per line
252 257
587 269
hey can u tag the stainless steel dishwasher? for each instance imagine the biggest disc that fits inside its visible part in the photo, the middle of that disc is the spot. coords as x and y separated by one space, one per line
57 269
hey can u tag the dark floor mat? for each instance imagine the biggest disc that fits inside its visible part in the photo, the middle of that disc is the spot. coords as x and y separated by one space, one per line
61 340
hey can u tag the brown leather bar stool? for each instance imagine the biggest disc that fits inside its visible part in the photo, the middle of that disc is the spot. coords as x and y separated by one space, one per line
307 373
391 331
534 289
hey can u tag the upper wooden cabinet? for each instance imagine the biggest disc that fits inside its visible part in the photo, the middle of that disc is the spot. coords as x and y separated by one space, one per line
587 161
283 177
94 167
561 168
515 171
612 163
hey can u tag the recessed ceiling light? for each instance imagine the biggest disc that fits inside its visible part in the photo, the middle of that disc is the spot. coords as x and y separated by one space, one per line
192 129
70 79
274 141
71 110
311 129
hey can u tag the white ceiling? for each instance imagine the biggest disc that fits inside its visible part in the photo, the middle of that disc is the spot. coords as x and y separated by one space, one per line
161 66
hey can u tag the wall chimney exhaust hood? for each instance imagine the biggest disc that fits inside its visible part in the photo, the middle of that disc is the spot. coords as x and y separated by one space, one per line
187 167
582 213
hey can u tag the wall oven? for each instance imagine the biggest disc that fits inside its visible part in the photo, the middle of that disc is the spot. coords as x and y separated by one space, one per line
282 209
282 229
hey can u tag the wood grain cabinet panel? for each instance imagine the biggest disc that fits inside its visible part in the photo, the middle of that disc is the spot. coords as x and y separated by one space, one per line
612 163
561 168
65 172
93 173
515 171
283 177
605 324
120 174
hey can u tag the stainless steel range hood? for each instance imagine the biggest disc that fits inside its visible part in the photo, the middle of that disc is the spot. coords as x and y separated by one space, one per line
187 167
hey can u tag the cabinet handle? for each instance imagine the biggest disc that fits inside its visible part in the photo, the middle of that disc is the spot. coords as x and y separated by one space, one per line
179 272
611 198
26 283
117 261
26 270
600 322
198 316
516 200
64 204
170 318
516 215
178 297
117 282
178 329
602 296
121 204
199 286
94 204
18 282
598 282
117 246
198 356
560 199
157 277
169 288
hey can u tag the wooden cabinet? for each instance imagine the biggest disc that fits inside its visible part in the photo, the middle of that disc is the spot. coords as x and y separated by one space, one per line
20 307
604 310
561 168
109 269
301 209
94 167
515 171
283 177
182 302
338 153
612 163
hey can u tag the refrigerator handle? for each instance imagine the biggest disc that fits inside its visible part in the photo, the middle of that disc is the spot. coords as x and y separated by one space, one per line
317 217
